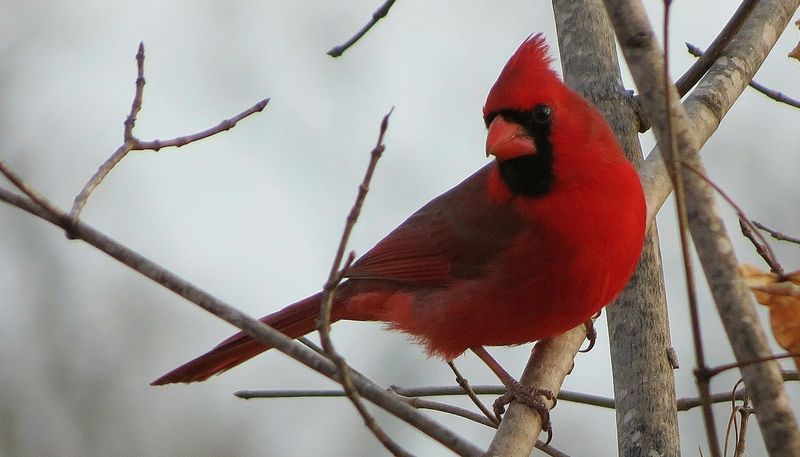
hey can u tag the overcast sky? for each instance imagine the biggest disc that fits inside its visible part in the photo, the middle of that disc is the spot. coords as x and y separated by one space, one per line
253 215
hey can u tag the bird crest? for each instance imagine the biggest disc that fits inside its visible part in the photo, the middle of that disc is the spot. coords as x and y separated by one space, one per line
526 78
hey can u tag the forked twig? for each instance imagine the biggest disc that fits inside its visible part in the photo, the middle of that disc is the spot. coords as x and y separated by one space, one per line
740 431
682 404
775 234
131 143
379 14
329 289
36 197
251 326
771 93
421 403
676 175
730 366
701 66
464 384
749 230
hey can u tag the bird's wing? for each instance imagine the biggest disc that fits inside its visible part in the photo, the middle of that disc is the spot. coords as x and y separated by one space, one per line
454 236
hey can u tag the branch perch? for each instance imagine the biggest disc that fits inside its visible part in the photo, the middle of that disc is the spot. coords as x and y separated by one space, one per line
251 326
733 300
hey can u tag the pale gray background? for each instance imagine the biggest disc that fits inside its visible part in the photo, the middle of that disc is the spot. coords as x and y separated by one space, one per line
254 215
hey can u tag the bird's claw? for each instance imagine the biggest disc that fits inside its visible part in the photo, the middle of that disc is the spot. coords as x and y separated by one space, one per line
591 333
530 396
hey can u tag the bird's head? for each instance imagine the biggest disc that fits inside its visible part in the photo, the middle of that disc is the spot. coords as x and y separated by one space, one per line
538 128
520 104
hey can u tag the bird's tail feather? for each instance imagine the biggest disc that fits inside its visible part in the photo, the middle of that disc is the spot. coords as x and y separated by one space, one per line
293 321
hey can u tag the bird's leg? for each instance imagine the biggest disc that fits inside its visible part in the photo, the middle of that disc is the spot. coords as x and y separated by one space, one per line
527 395
591 333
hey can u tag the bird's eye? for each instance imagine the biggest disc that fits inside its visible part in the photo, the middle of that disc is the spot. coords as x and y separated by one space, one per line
542 114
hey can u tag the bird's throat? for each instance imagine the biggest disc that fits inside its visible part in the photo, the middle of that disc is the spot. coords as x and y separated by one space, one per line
529 175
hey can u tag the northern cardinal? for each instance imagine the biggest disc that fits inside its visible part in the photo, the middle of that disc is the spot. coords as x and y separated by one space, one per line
529 246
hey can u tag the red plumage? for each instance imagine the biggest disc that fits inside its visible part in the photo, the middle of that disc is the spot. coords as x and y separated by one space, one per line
529 246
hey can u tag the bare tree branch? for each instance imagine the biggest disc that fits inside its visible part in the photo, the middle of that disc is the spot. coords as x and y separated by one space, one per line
39 200
379 14
771 93
550 362
733 300
638 322
682 404
701 66
251 326
675 167
420 403
775 234
131 143
464 384
720 87
329 289
749 230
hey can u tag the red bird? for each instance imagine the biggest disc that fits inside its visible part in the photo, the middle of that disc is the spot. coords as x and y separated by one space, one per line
528 247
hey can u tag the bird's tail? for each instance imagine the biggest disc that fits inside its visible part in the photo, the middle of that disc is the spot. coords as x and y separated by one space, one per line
293 321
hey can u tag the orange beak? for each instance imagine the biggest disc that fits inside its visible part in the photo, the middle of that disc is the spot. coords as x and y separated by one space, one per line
507 140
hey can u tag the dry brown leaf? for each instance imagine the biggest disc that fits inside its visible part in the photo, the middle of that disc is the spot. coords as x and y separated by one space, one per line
783 300
795 53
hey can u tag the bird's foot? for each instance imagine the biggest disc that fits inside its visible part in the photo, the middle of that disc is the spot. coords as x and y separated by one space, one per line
591 333
530 396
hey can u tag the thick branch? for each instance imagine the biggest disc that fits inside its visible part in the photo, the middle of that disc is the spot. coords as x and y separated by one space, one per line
733 300
638 323
776 95
550 362
701 66
719 89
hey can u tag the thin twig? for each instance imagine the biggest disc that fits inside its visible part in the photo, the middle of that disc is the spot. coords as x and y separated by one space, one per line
131 143
464 384
701 66
329 289
749 230
745 411
379 14
730 366
682 404
227 124
740 433
790 375
127 141
35 196
692 125
429 391
778 96
418 403
136 105
731 421
762 248
686 404
676 174
311 345
775 234
253 327
421 403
